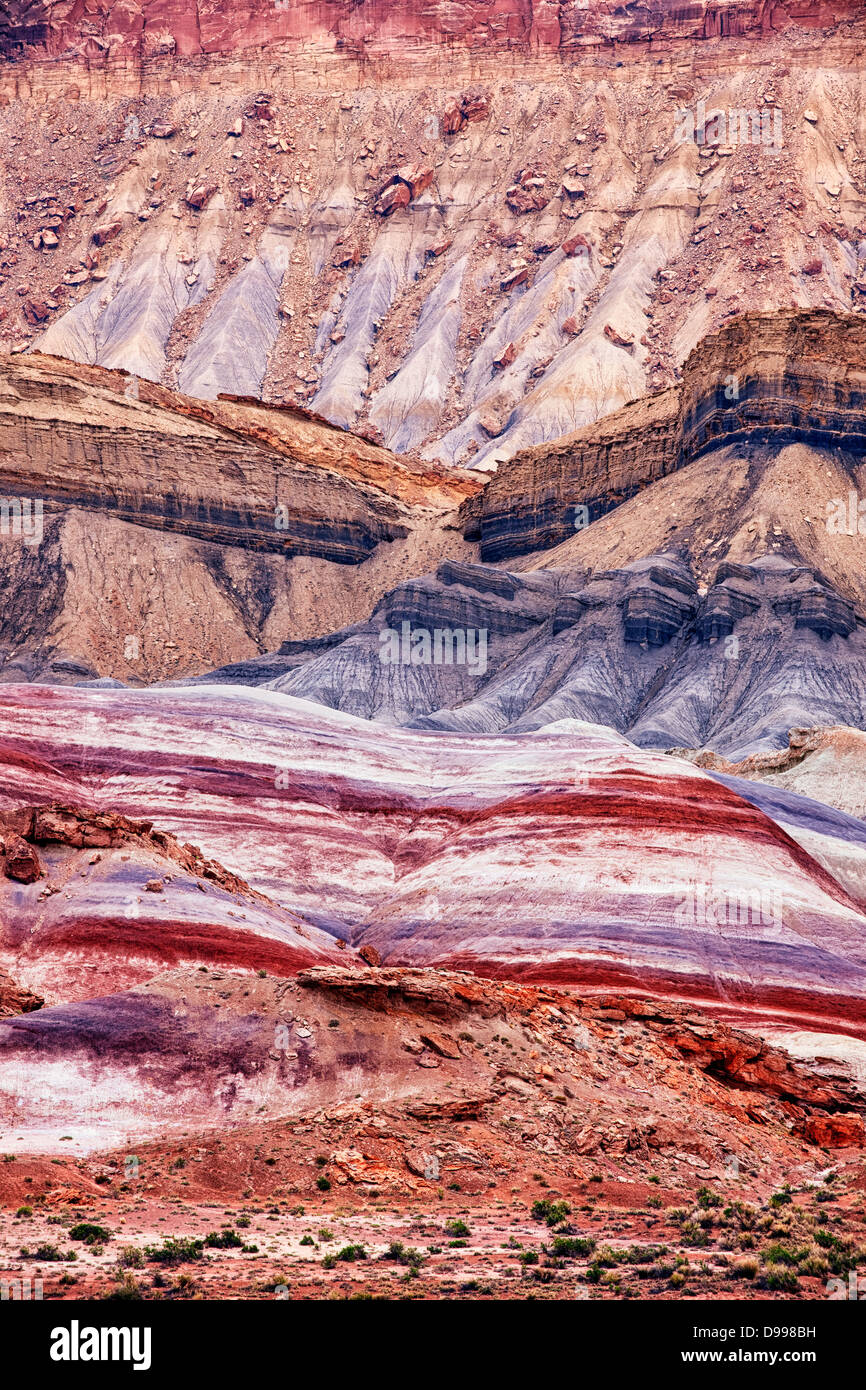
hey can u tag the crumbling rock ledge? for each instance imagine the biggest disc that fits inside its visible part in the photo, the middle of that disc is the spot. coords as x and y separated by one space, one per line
14 999
797 377
83 828
115 34
729 1055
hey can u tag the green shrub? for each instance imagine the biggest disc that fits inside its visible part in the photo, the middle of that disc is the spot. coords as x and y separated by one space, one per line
692 1234
350 1253
642 1254
553 1212
226 1239
175 1252
572 1247
89 1233
127 1290
783 1255
130 1257
398 1251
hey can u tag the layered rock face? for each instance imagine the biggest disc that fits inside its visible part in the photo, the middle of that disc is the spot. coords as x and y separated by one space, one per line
435 850
110 901
433 641
643 649
378 28
426 1047
827 765
465 265
185 568
157 533
772 380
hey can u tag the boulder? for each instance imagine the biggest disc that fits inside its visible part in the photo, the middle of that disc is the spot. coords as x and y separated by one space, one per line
836 1131
35 310
576 245
200 196
22 862
107 231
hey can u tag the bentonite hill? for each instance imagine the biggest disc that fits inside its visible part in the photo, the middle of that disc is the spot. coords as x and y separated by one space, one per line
433 650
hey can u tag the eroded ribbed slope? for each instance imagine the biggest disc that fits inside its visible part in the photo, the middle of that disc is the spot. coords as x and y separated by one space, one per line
463 254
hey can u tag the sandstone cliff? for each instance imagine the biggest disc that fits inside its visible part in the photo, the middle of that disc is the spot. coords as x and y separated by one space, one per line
779 379
174 535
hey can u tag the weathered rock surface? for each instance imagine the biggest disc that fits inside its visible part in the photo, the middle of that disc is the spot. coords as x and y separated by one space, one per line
88 923
213 1049
644 649
825 764
774 382
166 530
434 849
250 250
14 999
372 29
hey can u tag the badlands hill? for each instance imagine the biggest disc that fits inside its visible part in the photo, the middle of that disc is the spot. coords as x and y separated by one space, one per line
326 321
565 856
688 570
463 232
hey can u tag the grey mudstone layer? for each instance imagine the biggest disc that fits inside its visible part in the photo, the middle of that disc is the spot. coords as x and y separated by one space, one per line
768 647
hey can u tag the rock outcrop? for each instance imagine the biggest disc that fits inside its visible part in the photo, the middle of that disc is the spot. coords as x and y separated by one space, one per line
772 380
39 29
155 530
644 649
433 647
114 900
473 233
15 1000
427 1046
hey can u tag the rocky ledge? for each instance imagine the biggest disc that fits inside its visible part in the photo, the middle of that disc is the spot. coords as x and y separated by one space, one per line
45 29
772 379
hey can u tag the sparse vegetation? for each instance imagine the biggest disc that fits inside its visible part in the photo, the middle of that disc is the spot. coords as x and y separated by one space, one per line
175 1251
89 1233
551 1211
572 1247
226 1239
